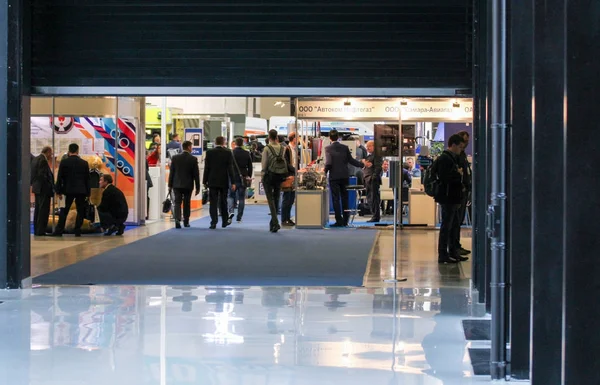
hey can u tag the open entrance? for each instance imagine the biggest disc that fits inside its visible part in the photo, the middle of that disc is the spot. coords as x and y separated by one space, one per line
134 139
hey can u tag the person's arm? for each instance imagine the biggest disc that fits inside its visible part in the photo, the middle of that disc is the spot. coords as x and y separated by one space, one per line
60 185
104 204
264 160
447 170
196 171
328 160
207 166
249 166
172 171
353 161
230 171
377 166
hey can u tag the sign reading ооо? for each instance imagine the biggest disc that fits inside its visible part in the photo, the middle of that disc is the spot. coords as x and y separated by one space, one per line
389 109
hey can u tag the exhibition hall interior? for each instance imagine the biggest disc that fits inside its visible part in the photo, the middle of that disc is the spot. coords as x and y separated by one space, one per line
244 304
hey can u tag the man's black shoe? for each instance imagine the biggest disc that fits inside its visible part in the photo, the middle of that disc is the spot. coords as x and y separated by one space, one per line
121 230
212 227
177 225
337 225
373 220
110 231
186 223
446 260
226 223
463 251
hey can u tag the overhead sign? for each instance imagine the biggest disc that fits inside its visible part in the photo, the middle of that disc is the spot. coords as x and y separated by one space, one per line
195 135
387 109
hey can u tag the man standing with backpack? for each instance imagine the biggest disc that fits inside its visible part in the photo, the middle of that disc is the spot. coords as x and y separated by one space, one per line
274 171
449 194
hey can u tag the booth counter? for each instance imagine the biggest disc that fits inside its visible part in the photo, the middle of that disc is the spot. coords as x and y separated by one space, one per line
312 209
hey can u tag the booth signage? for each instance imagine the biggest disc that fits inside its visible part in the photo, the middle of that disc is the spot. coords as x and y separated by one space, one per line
390 109
195 135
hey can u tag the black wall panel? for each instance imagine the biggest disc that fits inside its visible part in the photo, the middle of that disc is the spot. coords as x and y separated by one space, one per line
252 43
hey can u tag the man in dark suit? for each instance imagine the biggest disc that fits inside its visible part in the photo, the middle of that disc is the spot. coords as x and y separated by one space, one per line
184 174
113 209
337 158
74 182
218 176
42 185
372 179
243 163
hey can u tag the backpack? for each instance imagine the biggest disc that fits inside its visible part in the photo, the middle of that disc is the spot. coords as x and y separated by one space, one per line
431 180
277 164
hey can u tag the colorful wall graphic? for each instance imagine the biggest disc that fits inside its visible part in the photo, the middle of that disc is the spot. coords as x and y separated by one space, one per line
95 137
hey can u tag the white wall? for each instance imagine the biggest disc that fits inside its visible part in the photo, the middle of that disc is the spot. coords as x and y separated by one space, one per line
203 105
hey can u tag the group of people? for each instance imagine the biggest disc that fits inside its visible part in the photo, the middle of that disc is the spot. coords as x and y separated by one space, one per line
227 175
73 182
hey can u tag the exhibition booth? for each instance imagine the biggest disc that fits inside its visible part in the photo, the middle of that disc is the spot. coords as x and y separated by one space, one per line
407 130
108 132
115 133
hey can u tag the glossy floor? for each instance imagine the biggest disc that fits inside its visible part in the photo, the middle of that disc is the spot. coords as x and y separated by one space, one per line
211 335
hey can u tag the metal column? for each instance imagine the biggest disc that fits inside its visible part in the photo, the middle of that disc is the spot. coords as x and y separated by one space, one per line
15 28
497 208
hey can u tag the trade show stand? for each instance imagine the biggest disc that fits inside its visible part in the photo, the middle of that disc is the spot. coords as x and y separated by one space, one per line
312 209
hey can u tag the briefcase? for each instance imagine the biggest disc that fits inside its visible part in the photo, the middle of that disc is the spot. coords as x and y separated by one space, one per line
166 206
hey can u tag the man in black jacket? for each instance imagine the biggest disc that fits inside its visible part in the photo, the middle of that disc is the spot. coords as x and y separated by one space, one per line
291 157
337 158
243 167
113 209
463 163
218 176
183 175
450 197
372 180
74 182
42 185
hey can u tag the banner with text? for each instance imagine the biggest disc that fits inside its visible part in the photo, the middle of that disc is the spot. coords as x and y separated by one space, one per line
418 111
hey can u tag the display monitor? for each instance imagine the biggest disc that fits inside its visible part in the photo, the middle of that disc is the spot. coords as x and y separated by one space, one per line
387 138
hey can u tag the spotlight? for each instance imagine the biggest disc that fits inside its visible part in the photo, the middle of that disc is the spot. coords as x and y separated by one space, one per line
403 102
347 102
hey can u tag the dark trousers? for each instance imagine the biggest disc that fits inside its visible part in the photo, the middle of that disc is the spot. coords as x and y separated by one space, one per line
218 202
339 195
374 197
107 220
286 205
272 185
182 196
41 213
461 217
80 204
449 230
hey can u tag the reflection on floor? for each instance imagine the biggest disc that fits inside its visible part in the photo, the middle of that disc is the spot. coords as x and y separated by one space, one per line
410 333
211 335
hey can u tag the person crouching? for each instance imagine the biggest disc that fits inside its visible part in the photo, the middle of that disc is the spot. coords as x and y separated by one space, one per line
113 209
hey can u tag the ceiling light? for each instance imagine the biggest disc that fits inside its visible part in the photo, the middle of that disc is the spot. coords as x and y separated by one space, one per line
347 102
403 102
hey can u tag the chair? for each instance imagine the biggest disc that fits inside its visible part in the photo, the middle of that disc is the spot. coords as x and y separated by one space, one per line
360 191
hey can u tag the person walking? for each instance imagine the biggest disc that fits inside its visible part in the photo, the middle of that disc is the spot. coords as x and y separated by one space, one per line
183 176
218 176
74 182
243 164
42 185
274 171
337 158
